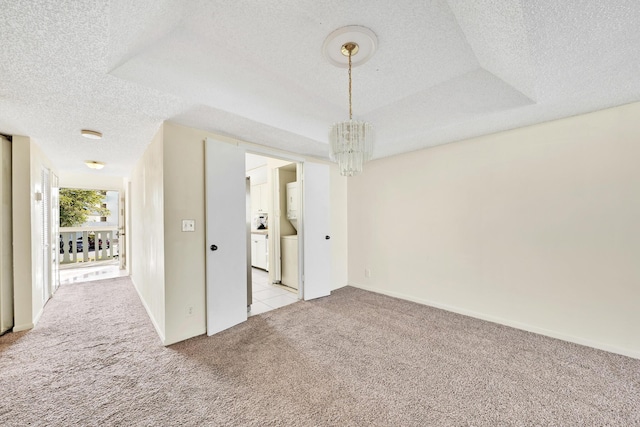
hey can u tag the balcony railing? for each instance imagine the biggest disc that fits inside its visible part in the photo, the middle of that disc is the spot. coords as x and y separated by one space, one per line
84 244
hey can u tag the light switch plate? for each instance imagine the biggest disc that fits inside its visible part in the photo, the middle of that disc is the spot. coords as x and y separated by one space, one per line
188 225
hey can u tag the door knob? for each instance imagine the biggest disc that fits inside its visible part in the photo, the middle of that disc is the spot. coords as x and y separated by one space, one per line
213 247
327 237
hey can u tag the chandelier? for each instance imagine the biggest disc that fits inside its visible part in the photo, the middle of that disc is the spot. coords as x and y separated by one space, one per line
351 141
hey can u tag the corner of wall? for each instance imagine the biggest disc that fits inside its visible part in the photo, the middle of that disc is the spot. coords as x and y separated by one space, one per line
534 227
146 231
27 164
6 238
22 213
184 199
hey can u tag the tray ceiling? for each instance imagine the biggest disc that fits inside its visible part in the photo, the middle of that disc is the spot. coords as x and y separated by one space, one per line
443 71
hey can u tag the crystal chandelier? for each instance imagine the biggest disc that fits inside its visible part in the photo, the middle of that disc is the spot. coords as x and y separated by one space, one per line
351 142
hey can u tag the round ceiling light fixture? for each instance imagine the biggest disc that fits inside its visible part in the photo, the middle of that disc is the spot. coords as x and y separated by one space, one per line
94 164
364 38
91 134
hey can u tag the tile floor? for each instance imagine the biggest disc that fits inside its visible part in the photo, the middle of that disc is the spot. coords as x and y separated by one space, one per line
266 296
87 271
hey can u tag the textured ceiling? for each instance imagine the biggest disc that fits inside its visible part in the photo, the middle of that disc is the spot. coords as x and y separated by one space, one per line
443 71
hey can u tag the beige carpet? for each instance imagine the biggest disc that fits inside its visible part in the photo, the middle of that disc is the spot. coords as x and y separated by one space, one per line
352 359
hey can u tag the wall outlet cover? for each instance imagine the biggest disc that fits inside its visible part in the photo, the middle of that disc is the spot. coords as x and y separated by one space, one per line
188 225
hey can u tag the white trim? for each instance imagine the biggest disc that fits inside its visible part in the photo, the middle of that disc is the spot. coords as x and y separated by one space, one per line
146 307
270 152
25 327
92 228
39 315
506 322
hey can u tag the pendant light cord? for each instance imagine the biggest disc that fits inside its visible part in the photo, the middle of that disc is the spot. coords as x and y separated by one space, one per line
350 110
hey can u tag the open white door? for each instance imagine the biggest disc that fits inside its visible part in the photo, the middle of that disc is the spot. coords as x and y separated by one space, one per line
226 259
316 237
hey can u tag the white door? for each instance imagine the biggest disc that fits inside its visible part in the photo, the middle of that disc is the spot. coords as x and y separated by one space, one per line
121 233
226 238
315 231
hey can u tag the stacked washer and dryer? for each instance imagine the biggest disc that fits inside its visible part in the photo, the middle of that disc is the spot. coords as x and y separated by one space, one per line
289 244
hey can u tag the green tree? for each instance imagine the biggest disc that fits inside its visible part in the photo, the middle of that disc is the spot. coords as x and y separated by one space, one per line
76 205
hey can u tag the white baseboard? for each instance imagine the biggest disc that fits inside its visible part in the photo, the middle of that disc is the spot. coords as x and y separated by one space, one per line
27 326
506 322
38 316
23 327
149 313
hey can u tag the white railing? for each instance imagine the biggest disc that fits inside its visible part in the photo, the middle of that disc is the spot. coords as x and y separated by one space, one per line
84 244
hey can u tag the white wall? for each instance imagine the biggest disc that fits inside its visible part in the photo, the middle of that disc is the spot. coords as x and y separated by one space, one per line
28 263
535 228
146 243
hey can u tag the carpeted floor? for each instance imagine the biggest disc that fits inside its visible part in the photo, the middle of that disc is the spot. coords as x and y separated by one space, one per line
352 359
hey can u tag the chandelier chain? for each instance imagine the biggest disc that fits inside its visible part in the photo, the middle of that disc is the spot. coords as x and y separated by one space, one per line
350 108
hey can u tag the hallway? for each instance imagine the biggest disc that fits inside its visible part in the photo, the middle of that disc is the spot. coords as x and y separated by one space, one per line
266 297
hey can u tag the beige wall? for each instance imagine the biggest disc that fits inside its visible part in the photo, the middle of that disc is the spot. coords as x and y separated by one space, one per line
338 225
184 261
91 181
147 267
6 244
184 198
28 263
22 201
285 226
535 228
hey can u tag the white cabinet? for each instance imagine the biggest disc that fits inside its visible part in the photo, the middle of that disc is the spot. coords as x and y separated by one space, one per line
292 200
259 198
259 251
289 256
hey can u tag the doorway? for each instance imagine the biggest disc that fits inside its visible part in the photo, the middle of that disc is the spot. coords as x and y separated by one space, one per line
270 230
89 222
226 232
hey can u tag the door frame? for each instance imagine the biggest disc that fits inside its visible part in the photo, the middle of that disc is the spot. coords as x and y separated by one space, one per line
55 233
300 165
45 234
248 148
299 161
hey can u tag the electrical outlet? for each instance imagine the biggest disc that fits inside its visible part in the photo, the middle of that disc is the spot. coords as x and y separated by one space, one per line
190 311
367 273
188 225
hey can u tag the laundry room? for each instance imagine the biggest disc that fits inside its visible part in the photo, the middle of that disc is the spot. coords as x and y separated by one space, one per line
273 202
